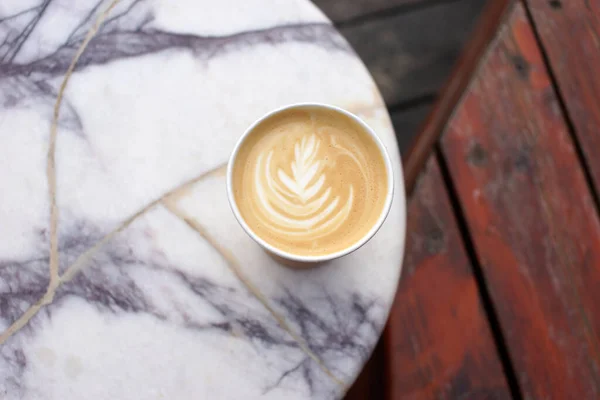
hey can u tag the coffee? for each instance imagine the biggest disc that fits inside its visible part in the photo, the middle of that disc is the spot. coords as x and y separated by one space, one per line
310 181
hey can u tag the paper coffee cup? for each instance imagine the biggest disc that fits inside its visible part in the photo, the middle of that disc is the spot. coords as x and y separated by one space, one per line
298 260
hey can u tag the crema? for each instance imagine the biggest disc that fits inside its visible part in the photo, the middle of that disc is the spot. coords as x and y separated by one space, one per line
310 181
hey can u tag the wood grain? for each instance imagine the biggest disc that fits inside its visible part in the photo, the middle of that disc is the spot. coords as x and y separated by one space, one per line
411 54
439 345
531 217
570 34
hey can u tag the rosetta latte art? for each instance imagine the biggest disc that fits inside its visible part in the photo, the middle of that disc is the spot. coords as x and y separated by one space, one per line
301 204
310 183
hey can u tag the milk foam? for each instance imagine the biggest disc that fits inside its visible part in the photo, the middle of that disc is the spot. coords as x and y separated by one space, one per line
307 182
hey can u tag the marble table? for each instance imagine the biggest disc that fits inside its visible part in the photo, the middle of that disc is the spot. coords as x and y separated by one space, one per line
154 291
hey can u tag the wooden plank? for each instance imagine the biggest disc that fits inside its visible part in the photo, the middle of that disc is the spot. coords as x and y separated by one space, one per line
531 217
410 55
407 123
486 29
344 11
570 34
439 345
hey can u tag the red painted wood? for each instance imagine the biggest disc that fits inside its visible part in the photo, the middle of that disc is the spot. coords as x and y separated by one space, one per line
438 342
485 31
570 35
531 217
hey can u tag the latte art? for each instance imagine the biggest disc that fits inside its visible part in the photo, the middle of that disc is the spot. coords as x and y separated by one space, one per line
302 204
310 182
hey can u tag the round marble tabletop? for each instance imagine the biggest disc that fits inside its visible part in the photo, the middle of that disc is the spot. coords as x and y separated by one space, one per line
154 291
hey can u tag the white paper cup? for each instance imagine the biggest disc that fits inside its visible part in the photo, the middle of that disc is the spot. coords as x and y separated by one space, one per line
301 261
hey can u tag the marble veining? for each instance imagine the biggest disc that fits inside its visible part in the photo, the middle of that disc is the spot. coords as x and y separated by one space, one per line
149 304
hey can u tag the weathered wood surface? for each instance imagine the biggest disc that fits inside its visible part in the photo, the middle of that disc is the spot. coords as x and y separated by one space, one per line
532 219
486 29
570 34
438 342
411 54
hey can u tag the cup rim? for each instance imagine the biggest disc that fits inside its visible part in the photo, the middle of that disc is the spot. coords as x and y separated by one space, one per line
326 257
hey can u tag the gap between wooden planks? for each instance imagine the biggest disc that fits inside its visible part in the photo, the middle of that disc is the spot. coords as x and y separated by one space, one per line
531 217
438 340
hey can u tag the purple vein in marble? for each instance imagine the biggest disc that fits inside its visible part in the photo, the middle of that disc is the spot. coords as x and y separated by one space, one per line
110 283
